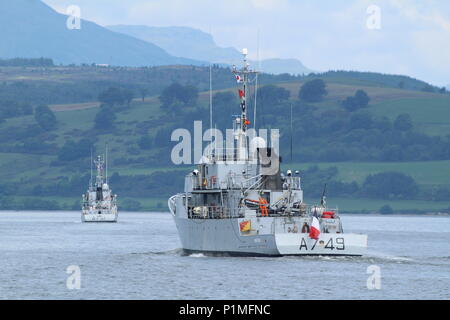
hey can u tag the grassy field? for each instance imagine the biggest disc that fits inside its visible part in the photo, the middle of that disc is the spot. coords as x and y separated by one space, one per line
338 91
425 173
430 111
16 166
431 116
370 205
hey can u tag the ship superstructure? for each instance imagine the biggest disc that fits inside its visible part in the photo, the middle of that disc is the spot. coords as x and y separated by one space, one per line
99 203
239 202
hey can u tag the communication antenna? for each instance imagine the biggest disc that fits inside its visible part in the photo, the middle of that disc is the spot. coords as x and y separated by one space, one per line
215 141
90 182
210 97
106 163
323 201
210 91
291 132
256 79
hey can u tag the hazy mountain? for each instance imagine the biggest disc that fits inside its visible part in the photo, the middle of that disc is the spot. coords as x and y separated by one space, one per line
277 66
181 41
30 28
196 44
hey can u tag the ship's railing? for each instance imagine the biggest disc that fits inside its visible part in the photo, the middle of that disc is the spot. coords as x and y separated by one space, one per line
230 154
171 204
213 212
219 212
252 183
294 182
232 181
239 181
207 184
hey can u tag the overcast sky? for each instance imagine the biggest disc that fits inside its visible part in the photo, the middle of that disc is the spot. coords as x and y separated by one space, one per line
414 38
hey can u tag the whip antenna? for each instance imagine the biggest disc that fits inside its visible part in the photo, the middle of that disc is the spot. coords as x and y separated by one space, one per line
256 79
291 133
90 182
106 164
210 92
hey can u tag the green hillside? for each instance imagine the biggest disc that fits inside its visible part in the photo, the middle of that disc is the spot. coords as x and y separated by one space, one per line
430 111
33 171
426 173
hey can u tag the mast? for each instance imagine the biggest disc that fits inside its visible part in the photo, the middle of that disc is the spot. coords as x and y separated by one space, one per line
242 77
210 97
99 178
210 92
91 182
256 99
256 81
292 130
106 164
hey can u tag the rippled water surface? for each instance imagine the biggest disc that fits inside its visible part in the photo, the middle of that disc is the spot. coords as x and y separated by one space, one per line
140 258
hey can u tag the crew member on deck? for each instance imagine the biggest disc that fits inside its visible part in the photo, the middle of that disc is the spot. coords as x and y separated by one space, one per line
305 228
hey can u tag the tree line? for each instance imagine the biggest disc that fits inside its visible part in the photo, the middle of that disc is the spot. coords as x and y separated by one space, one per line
26 62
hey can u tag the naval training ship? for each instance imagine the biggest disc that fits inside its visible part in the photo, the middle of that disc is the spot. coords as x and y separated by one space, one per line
238 202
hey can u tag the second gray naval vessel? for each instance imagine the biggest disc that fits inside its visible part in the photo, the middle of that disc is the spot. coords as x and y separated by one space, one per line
99 203
238 202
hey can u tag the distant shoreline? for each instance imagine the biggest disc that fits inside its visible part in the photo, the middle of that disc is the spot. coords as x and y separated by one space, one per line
395 214
399 214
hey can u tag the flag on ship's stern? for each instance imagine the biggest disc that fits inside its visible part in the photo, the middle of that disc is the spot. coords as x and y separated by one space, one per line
314 232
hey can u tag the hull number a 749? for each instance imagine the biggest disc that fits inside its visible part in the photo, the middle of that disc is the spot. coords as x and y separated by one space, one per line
331 244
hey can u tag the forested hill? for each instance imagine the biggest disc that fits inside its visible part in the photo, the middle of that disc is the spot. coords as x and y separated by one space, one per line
40 81
74 84
373 78
381 138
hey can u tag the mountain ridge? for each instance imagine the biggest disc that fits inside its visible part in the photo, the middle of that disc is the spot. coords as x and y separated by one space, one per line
32 29
196 44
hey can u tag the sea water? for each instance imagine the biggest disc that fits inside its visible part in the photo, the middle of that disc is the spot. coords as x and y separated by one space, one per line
49 255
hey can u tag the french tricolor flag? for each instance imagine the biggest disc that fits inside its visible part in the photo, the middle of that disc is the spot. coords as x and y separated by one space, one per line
314 231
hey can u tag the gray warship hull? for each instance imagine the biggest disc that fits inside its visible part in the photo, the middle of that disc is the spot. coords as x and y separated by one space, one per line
222 236
269 236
